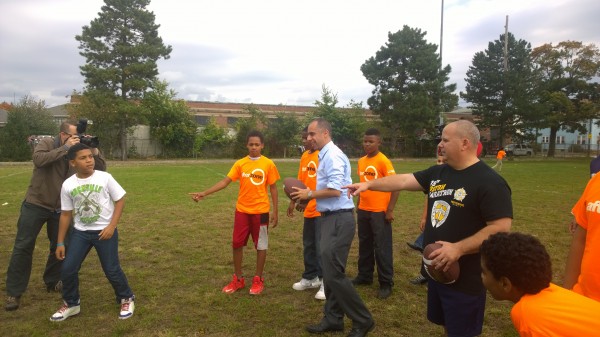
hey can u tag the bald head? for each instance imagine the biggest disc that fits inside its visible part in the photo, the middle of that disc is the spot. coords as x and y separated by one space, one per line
459 144
468 130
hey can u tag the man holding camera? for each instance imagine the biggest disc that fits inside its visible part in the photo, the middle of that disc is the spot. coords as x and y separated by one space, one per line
42 205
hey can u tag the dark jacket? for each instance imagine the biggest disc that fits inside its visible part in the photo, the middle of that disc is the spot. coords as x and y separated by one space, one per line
50 169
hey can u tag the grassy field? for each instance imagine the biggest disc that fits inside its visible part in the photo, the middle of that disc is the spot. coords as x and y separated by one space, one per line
177 256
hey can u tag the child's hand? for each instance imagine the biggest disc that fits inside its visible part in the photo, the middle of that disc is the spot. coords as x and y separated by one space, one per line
106 233
290 210
60 253
197 196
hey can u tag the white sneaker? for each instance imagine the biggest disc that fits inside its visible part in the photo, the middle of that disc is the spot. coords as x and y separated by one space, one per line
65 312
127 307
307 284
320 295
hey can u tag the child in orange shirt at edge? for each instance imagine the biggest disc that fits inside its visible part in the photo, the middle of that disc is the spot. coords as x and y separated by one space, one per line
255 173
312 277
517 267
499 157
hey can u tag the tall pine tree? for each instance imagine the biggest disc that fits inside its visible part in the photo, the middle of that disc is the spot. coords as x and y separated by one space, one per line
410 85
121 47
502 94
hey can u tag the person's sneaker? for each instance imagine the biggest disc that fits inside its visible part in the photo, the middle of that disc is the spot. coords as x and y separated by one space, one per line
65 312
12 303
320 295
57 287
258 284
235 285
127 308
418 280
304 284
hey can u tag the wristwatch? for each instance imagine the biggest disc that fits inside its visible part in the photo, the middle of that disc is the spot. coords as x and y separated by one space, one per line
309 194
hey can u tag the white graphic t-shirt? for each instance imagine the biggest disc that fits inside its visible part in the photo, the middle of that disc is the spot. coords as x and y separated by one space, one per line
91 199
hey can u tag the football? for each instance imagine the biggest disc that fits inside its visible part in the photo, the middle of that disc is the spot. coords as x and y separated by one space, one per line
447 277
288 183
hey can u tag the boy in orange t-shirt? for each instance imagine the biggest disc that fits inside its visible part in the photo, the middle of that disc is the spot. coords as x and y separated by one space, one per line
255 173
499 157
312 277
374 217
582 273
517 267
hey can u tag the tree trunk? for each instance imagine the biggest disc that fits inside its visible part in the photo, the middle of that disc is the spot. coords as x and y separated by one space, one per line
123 132
552 141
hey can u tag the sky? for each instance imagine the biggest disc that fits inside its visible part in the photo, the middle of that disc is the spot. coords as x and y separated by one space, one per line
274 51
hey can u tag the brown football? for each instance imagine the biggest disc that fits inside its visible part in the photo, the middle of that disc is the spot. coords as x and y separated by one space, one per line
446 277
288 183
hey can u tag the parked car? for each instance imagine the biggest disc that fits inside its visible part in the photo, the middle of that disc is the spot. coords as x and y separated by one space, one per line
519 150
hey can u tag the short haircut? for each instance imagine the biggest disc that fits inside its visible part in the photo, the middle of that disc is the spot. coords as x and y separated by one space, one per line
64 127
519 257
467 129
72 152
323 124
255 133
372 132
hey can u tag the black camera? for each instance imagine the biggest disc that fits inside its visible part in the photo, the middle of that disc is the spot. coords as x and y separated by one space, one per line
91 141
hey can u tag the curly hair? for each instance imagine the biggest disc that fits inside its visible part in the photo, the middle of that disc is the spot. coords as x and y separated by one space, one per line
255 133
519 257
72 152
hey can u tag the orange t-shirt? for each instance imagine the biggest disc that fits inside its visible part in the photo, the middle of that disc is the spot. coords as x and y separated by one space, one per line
372 168
255 177
500 155
556 311
307 173
587 215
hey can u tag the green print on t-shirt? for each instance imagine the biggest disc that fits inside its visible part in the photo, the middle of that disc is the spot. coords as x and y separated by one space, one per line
86 203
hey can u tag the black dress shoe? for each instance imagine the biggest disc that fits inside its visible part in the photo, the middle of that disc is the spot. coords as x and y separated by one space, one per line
323 327
415 247
358 282
361 332
384 292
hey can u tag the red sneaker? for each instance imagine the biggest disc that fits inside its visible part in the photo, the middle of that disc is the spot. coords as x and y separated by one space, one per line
258 284
235 285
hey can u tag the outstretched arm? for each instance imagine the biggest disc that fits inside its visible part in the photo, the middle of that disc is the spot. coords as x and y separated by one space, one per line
197 196
396 182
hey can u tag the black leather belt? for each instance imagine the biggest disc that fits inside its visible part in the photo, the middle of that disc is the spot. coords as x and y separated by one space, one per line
326 213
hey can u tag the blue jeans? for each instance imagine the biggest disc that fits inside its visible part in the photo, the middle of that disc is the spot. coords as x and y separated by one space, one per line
108 251
30 223
311 238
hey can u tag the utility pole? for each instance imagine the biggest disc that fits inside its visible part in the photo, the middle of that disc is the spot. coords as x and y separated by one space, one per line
441 116
506 45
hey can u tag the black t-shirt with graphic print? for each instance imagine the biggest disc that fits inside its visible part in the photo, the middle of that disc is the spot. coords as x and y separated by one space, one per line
458 206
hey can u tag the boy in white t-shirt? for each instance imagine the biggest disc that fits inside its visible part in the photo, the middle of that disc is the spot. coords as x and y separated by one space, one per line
94 201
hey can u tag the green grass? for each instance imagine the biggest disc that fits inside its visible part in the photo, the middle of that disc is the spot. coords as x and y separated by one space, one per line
177 256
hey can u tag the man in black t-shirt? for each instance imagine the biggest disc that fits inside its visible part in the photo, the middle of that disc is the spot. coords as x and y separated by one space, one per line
467 202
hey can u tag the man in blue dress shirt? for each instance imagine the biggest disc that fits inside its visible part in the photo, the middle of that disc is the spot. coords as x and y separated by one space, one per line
337 231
